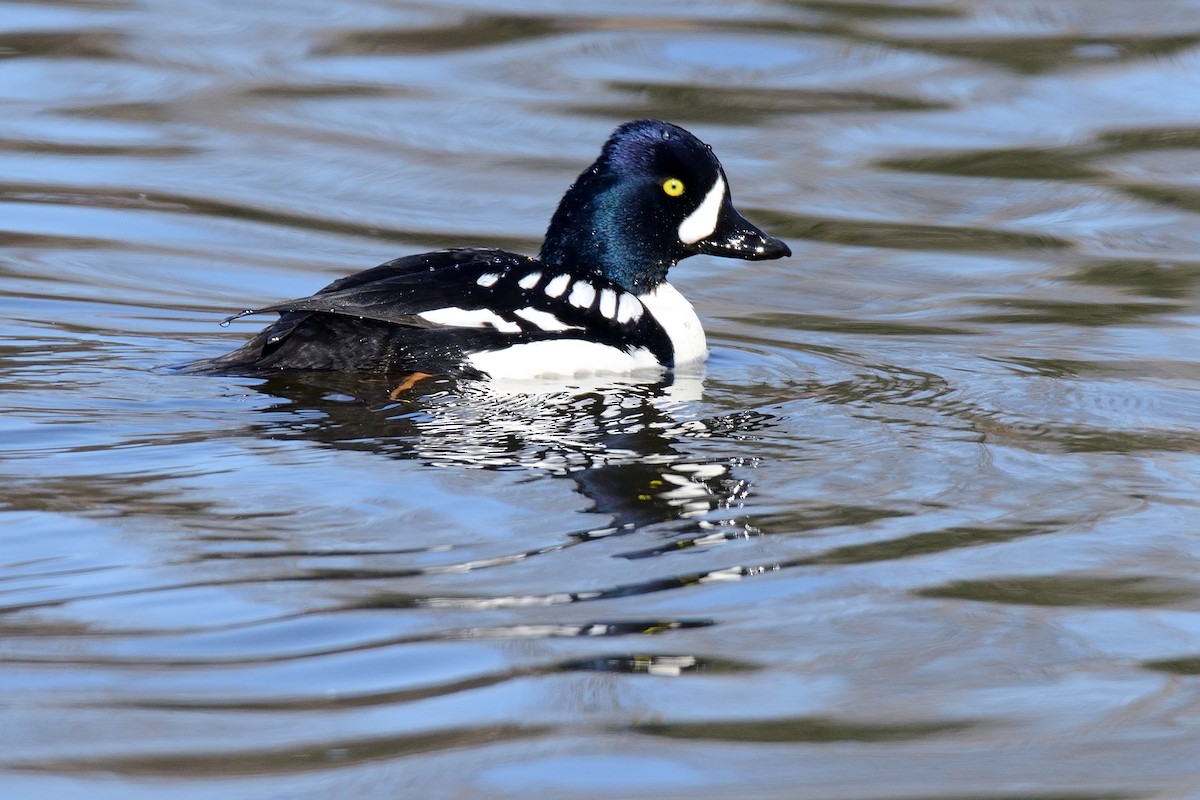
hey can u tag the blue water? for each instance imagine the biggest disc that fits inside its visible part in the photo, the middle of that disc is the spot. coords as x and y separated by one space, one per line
925 526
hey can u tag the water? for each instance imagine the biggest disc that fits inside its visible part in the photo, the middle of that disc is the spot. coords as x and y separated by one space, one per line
925 528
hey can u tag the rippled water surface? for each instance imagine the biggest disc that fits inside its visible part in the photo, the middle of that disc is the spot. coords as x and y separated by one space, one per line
927 526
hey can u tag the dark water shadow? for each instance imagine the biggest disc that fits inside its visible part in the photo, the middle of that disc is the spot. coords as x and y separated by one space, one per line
173 203
878 11
480 31
1175 666
105 45
1026 311
1041 54
469 33
901 235
800 729
1064 591
1016 163
1162 280
743 105
317 756
1078 162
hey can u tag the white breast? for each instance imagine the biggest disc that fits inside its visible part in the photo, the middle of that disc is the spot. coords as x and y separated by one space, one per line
678 318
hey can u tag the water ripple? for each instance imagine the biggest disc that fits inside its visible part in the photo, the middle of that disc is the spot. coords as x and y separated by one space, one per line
924 524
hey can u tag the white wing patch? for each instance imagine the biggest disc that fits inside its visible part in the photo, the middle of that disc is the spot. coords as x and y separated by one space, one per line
629 309
487 279
454 317
530 280
561 358
557 285
545 320
701 223
583 294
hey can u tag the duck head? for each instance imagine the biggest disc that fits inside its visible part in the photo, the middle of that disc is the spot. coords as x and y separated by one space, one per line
655 196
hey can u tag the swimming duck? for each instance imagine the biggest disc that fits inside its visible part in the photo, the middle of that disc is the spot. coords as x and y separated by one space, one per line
596 299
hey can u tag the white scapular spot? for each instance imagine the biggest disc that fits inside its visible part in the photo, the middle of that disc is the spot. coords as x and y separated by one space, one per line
629 309
702 222
545 320
557 285
608 303
454 317
583 294
530 280
487 279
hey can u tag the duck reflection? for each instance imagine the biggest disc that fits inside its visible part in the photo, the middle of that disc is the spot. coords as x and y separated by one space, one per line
618 440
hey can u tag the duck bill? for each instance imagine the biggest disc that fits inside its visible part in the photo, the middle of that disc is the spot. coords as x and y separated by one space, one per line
736 237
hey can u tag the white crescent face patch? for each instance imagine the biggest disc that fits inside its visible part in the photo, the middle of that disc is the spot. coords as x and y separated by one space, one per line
701 223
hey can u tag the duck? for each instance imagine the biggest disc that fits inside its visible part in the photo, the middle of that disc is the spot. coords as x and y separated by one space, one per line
595 300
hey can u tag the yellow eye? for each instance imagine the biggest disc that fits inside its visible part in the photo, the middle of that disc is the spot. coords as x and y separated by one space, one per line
673 187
